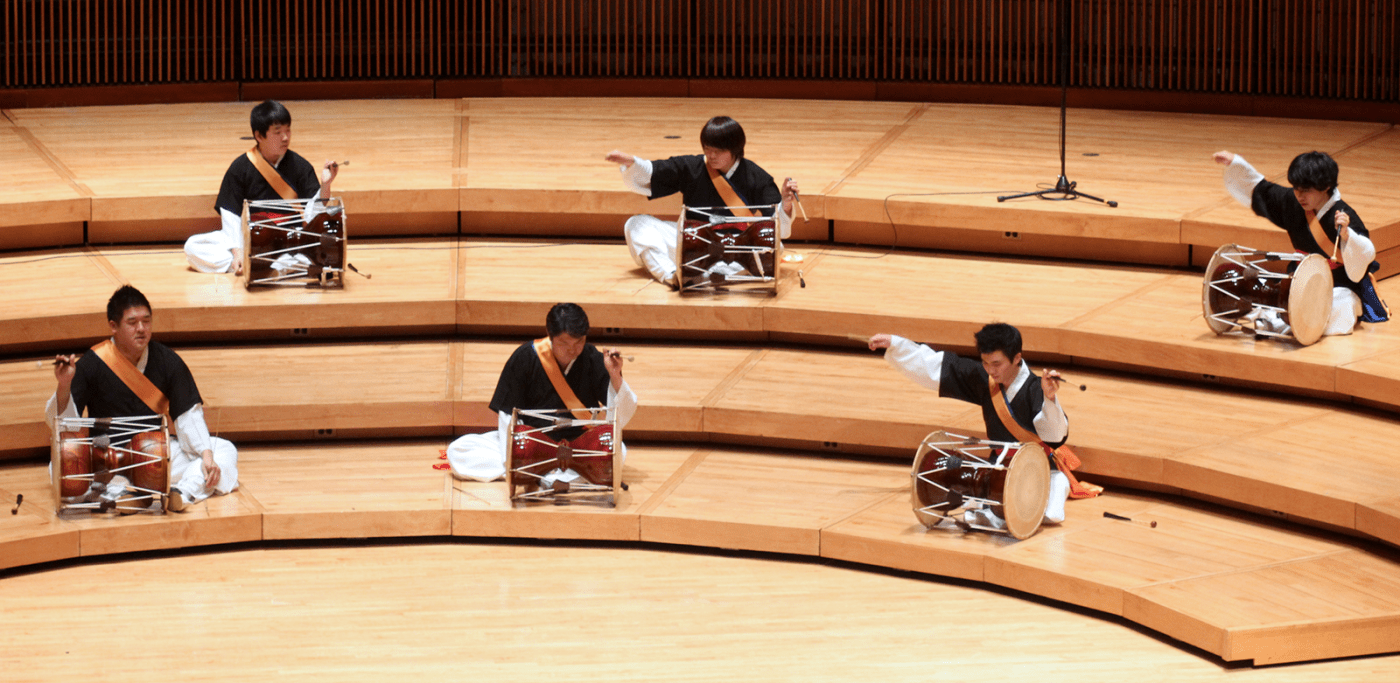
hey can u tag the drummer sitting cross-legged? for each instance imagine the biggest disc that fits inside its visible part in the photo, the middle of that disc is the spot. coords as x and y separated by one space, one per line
589 376
1317 222
271 170
1034 405
129 375
720 178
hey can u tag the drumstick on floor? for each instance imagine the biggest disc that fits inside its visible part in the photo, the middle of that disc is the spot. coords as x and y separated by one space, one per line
1151 525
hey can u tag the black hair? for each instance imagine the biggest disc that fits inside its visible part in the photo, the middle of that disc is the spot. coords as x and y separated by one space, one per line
722 132
1313 171
566 318
124 299
268 114
999 337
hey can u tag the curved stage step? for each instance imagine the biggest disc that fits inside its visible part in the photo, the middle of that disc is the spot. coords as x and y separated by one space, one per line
922 174
1235 585
1145 320
1276 455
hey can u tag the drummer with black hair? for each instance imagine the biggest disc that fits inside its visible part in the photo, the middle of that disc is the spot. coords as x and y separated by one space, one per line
722 178
130 375
269 171
561 370
1317 222
1000 383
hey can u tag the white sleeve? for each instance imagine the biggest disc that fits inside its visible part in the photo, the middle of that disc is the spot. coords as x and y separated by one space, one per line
637 177
624 401
1240 179
784 220
1357 255
919 363
1051 424
51 413
316 206
192 431
232 228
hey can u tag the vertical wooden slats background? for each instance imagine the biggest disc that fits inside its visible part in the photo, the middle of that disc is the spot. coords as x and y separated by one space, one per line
1342 49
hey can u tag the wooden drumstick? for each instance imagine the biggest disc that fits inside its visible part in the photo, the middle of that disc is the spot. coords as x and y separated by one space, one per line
342 163
857 337
798 199
1062 380
1151 525
618 354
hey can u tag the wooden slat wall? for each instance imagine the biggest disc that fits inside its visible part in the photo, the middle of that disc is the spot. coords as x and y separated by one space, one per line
1341 49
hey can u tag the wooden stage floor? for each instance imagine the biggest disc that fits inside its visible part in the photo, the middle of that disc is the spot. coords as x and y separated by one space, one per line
327 392
925 175
1237 586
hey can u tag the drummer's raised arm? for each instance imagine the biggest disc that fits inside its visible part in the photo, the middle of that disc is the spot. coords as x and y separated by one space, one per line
1240 177
619 157
921 364
636 171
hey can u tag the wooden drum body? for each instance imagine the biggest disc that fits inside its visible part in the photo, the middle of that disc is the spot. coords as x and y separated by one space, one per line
726 251
1240 281
953 474
88 454
280 250
538 455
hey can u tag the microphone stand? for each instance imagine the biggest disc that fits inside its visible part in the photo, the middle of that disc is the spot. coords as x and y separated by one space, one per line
1064 189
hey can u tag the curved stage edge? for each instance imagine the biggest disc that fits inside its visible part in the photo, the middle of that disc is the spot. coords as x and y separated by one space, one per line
1235 585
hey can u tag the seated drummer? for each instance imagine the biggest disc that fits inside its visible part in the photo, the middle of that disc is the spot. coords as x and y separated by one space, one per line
271 170
1033 405
593 376
703 181
1317 222
118 377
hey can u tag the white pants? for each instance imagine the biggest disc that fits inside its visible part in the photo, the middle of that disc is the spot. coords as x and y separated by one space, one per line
187 471
1059 493
478 457
652 243
1346 308
210 252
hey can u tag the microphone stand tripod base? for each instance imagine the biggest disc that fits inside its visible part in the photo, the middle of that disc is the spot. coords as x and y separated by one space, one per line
1064 188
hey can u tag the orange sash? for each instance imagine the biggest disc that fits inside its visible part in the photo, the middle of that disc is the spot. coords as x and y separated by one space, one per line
1319 234
545 350
1065 459
132 378
270 174
727 193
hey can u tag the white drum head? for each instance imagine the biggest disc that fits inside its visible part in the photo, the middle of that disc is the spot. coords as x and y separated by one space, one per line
1216 261
1027 490
1310 299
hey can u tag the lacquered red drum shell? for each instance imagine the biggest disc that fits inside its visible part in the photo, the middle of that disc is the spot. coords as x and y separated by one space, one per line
1247 285
757 234
597 470
75 459
980 482
153 474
